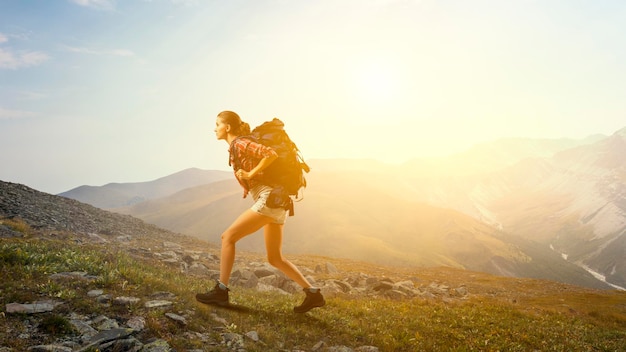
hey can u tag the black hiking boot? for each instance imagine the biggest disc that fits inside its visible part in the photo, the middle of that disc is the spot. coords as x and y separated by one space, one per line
312 300
217 296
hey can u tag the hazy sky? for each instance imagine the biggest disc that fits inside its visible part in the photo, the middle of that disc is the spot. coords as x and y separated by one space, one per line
99 91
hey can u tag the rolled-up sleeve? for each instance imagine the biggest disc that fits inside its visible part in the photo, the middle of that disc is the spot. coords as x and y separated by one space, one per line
260 151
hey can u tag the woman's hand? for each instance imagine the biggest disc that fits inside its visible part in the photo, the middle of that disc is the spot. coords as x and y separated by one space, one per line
243 174
265 162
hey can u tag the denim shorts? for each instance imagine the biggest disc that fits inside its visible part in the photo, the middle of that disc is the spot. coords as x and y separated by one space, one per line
259 194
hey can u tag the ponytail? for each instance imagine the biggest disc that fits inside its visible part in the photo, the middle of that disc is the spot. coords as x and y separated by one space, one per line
244 129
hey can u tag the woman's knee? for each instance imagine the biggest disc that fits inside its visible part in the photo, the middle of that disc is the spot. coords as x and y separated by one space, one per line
228 237
275 260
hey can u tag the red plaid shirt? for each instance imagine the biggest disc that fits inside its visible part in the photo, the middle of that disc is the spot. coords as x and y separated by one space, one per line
248 155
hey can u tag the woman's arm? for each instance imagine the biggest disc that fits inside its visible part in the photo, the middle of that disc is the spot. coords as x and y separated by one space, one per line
262 165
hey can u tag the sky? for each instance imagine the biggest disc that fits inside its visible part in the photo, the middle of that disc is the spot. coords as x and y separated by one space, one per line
100 91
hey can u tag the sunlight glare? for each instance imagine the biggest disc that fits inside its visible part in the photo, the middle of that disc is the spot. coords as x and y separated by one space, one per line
375 82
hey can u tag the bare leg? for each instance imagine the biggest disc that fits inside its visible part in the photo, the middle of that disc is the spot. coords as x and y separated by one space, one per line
247 223
273 245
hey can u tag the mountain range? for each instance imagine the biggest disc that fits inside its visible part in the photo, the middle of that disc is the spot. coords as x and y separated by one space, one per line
551 209
114 195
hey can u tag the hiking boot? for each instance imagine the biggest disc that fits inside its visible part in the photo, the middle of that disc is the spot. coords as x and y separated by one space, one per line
312 300
217 296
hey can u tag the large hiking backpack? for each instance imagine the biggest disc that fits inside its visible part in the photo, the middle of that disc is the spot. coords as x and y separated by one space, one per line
286 173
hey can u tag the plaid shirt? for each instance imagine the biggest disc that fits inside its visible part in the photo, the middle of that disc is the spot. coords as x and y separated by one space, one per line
248 155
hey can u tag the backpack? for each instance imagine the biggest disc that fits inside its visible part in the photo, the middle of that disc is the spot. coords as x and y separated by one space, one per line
286 173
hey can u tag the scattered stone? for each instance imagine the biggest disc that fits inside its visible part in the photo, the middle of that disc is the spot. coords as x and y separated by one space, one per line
157 346
113 334
103 323
136 323
461 291
339 349
218 319
49 348
96 238
162 295
95 293
331 268
104 299
125 301
232 340
172 245
84 329
31 308
158 304
177 318
318 346
74 275
253 335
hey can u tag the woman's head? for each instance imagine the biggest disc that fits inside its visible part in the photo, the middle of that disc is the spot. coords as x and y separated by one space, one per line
229 122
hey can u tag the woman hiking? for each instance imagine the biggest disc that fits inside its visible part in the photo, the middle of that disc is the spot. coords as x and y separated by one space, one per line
253 159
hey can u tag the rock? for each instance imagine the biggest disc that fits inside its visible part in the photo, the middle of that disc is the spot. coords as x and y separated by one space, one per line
383 286
339 349
232 340
253 335
244 278
158 304
263 272
395 294
331 269
126 238
95 293
112 334
136 323
103 299
344 286
162 295
461 291
198 269
157 346
32 308
49 348
366 349
103 323
318 346
177 318
125 301
127 344
172 245
84 329
218 319
75 275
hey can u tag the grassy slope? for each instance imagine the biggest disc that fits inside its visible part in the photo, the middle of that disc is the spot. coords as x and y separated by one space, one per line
501 313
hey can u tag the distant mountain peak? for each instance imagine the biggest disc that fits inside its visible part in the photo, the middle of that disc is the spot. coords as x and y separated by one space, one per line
621 133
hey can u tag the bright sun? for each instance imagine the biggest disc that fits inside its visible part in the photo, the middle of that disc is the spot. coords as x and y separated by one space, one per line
375 83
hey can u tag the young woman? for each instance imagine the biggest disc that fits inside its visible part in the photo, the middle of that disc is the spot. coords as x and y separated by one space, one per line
254 158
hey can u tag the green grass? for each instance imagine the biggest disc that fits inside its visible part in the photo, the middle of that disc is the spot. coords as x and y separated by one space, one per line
575 320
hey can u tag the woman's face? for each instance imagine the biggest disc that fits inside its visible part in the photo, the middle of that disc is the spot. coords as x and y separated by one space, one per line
221 128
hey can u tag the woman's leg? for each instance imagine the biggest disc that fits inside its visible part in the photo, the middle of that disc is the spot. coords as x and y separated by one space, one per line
273 244
248 222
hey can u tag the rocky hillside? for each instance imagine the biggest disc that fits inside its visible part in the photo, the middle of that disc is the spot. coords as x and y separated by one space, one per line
77 278
56 217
